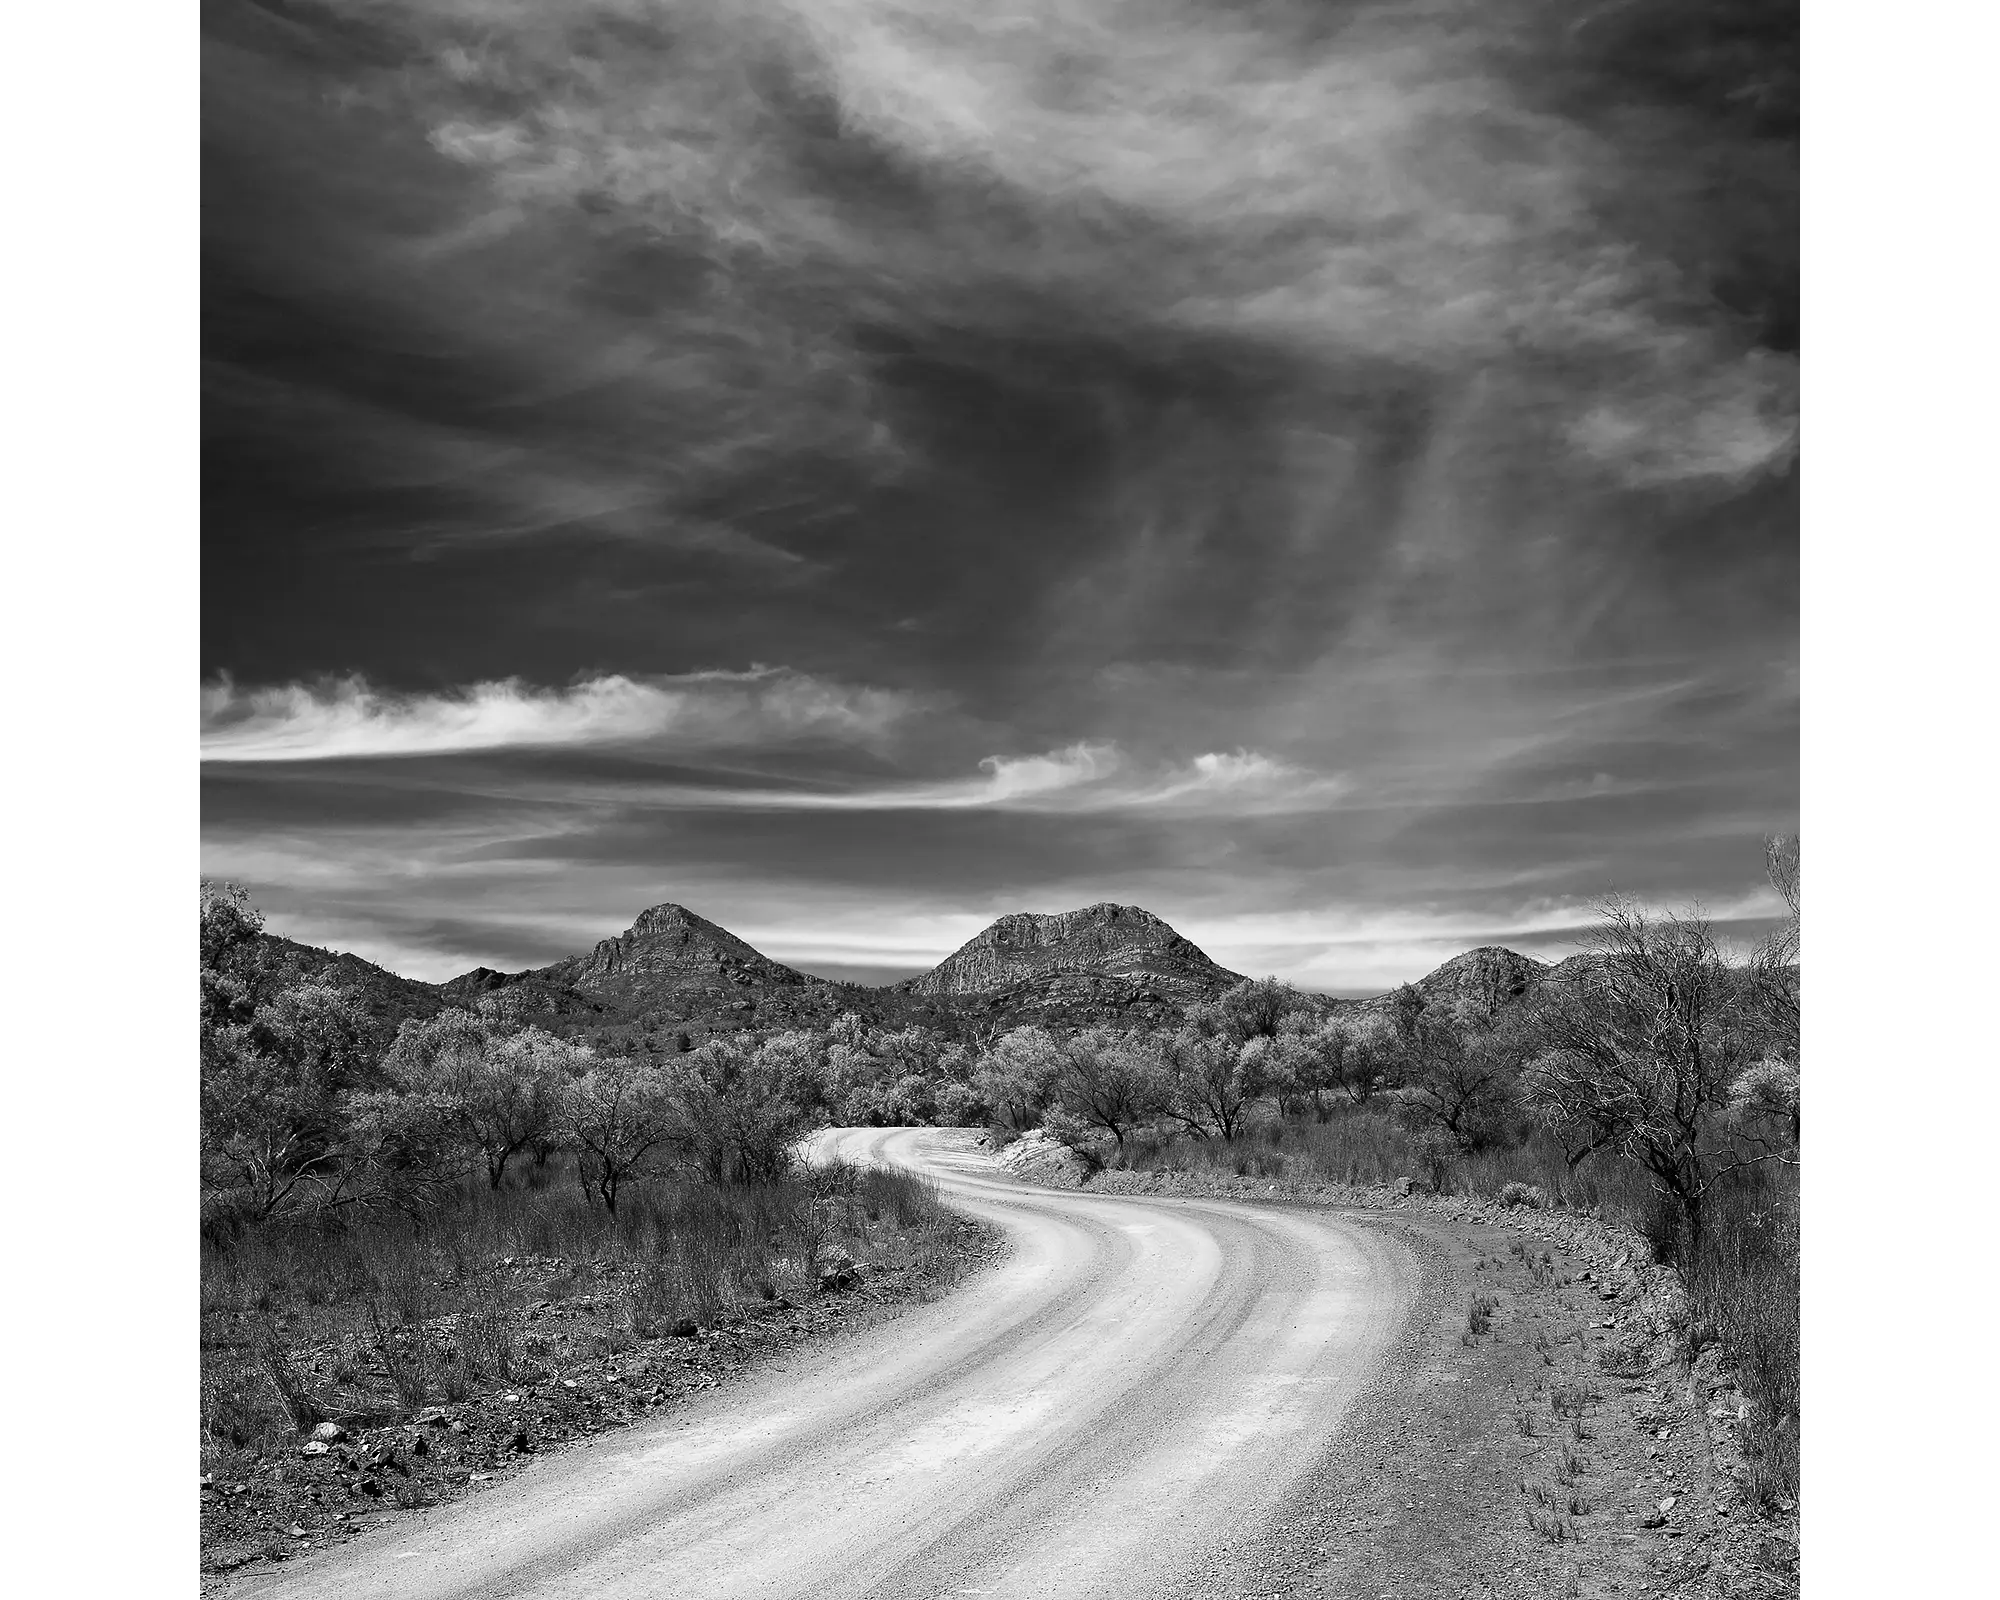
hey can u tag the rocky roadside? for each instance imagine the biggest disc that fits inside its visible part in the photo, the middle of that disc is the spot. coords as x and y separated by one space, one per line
346 1479
1541 1429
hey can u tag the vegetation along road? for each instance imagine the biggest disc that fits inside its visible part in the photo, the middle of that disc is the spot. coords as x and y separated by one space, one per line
1134 1384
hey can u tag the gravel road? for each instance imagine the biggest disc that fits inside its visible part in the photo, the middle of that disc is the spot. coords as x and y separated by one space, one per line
1135 1385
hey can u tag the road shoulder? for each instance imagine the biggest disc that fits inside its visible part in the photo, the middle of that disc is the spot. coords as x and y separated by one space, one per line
1555 1444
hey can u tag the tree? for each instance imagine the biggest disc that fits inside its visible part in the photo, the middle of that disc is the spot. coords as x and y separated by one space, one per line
265 1130
1214 1081
618 1116
1256 1008
1458 1076
1774 965
1309 1059
1111 1080
1361 1052
730 1117
796 1061
1639 1049
277 1094
229 927
494 1094
1018 1076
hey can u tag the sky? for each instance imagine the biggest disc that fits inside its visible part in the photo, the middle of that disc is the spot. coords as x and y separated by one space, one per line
1325 473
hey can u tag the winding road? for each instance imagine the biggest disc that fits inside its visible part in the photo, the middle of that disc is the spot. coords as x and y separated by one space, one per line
1135 1385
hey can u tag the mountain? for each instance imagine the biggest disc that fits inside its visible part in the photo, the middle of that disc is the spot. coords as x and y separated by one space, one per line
1488 977
670 950
671 969
1101 955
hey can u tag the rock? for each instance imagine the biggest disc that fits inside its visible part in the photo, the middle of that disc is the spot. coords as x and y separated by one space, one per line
1403 1186
297 1532
837 1270
431 1417
329 1433
1669 1503
314 1447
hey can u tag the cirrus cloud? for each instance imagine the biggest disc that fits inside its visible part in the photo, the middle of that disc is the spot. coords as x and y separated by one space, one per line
1084 777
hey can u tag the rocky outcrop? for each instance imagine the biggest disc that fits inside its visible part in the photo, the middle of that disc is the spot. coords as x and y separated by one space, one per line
1127 946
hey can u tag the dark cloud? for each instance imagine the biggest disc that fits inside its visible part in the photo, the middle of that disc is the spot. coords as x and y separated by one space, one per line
1397 401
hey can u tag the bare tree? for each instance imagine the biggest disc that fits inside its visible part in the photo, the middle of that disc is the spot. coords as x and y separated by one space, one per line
1458 1076
1774 965
1641 1046
618 1116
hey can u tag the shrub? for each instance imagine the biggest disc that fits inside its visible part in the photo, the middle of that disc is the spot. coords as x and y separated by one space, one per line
1521 1194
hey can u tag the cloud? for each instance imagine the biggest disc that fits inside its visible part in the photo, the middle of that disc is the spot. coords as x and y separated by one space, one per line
345 719
1374 187
1082 778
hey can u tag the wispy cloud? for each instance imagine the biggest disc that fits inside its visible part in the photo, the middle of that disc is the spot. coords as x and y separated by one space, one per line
1083 777
347 718
1381 187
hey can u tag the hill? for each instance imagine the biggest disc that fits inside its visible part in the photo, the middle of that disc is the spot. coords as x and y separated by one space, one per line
1104 942
277 963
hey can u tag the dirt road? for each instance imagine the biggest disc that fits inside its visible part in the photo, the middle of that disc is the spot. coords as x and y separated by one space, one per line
1134 1385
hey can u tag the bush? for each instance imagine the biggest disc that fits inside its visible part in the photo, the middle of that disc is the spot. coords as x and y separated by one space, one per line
1521 1194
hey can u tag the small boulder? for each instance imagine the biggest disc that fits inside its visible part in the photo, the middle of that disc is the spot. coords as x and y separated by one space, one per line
314 1447
837 1270
329 1433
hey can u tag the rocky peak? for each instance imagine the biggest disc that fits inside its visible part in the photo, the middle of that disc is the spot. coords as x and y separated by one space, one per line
1103 941
669 947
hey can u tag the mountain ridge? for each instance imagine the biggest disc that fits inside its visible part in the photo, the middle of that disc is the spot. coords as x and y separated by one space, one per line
677 971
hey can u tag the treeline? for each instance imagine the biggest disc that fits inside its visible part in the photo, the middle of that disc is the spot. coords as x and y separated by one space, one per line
1654 1049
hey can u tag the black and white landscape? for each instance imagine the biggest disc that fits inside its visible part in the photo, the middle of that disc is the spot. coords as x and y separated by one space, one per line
1000 798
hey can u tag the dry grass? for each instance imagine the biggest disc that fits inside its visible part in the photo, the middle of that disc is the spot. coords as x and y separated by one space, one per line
378 1318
